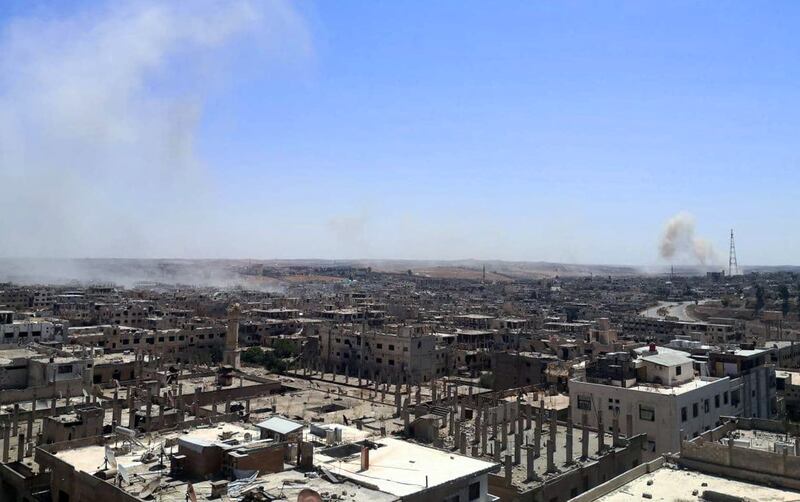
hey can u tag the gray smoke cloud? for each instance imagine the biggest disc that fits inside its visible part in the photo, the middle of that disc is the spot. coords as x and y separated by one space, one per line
99 110
679 241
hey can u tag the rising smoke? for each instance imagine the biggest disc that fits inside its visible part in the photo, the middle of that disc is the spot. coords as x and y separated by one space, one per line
99 111
680 242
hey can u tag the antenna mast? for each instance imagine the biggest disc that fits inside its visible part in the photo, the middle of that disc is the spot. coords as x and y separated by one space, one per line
733 265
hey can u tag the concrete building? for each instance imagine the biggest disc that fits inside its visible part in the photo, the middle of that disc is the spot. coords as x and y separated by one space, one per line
518 369
656 394
27 331
753 387
407 356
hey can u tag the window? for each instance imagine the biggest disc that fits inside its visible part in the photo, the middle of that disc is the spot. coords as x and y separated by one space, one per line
380 345
647 413
695 408
725 397
706 406
391 347
584 403
683 414
475 490
66 368
678 370
716 401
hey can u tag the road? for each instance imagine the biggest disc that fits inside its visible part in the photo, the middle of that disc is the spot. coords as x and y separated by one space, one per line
676 309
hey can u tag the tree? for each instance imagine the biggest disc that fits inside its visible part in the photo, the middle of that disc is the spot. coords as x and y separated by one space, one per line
759 298
486 381
798 297
784 292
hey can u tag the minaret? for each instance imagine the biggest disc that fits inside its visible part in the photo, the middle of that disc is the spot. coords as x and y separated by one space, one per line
232 354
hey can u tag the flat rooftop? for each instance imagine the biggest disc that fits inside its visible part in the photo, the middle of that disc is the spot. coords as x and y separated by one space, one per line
676 484
402 468
677 389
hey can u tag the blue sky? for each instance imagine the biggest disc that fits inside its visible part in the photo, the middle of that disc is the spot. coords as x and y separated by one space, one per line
559 131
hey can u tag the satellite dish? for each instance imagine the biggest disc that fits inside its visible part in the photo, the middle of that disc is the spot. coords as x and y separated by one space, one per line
308 495
151 487
111 458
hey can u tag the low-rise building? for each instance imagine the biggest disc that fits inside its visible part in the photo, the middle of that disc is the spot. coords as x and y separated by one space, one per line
656 393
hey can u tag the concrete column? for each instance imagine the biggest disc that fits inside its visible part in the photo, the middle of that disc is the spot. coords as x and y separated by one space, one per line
148 411
196 404
551 443
462 443
614 431
116 413
32 419
131 412
601 433
456 433
504 433
508 469
494 423
15 420
483 434
551 449
529 461
20 447
450 421
397 401
518 448
537 433
528 416
569 435
29 433
585 436
6 440
497 449
161 405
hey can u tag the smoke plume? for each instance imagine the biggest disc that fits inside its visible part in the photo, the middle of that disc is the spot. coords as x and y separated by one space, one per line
99 111
680 242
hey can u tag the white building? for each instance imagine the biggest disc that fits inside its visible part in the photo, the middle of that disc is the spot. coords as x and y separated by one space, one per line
16 332
657 394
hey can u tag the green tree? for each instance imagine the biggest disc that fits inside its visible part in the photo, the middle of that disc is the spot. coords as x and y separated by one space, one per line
486 381
759 298
784 292
798 297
